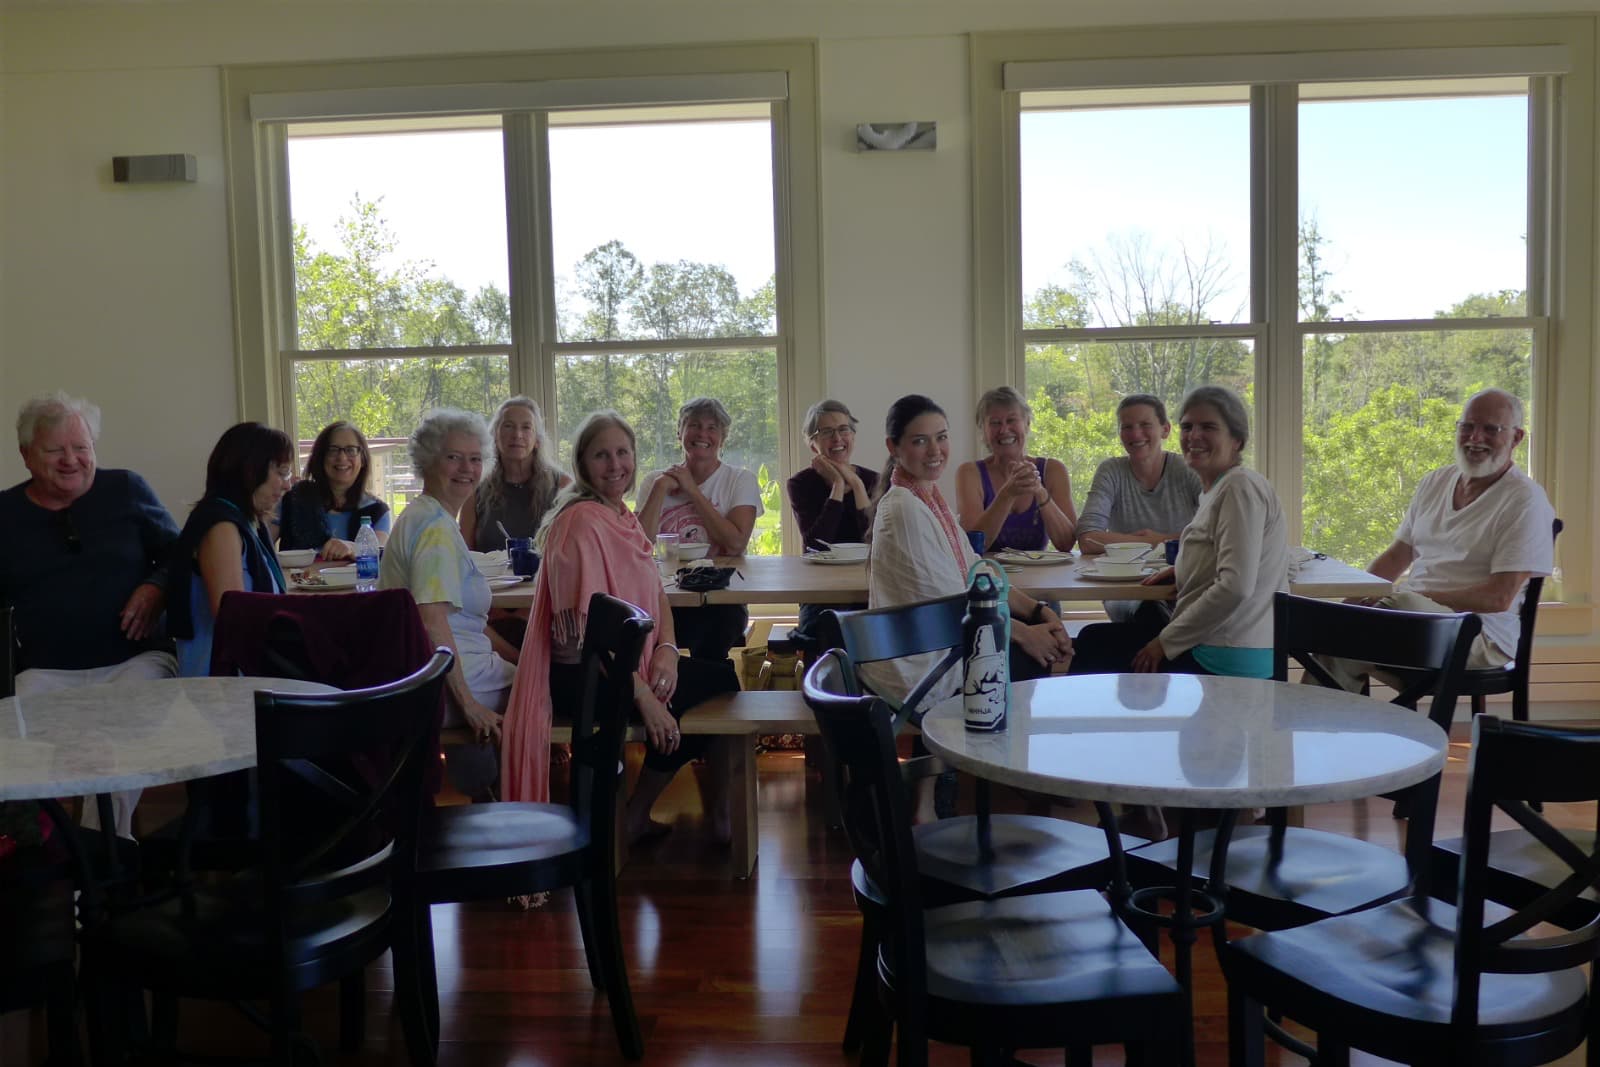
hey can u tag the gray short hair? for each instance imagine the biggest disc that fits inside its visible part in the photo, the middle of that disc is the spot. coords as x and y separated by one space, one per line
825 407
1234 414
704 405
1511 399
1002 396
427 440
52 409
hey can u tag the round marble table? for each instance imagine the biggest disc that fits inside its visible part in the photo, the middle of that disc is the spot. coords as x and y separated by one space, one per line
1192 742
129 735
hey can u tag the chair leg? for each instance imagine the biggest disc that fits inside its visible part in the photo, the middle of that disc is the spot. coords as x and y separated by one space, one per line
583 897
427 974
164 1023
410 991
615 968
1246 1035
62 1021
1332 1053
879 1027
1480 703
352 1012
864 999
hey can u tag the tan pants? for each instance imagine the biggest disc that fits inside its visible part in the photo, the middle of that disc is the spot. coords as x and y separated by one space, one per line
1352 674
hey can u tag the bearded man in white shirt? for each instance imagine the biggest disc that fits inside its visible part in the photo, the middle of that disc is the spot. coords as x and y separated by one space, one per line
1474 534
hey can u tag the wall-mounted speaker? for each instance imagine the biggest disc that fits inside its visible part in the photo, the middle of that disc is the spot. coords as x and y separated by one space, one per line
167 168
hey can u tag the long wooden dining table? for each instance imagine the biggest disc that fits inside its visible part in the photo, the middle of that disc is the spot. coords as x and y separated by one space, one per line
799 579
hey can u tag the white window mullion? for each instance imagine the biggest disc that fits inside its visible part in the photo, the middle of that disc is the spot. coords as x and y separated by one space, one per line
1279 363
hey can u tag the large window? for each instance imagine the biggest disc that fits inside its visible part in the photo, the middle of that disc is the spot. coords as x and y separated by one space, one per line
451 232
1371 245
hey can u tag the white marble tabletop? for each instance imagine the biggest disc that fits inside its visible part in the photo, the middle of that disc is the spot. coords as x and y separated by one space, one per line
1194 742
130 735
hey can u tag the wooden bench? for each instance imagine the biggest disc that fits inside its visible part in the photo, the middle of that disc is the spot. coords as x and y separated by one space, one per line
734 721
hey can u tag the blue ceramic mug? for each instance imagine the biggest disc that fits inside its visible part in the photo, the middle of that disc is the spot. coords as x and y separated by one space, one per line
1172 552
524 560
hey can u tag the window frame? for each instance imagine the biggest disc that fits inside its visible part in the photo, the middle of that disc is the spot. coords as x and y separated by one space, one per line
1560 208
262 101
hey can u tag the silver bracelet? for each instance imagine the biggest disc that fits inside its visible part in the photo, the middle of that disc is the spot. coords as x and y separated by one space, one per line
676 651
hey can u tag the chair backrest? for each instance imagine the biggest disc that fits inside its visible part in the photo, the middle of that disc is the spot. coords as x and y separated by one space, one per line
1434 644
8 653
613 639
879 634
1521 664
1512 766
858 732
367 835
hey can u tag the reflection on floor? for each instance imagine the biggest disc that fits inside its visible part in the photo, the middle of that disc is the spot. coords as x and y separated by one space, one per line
724 972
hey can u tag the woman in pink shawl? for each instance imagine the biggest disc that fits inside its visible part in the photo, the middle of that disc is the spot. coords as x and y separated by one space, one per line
592 543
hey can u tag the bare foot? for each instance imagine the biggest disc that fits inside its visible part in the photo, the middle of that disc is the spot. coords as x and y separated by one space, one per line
560 754
530 901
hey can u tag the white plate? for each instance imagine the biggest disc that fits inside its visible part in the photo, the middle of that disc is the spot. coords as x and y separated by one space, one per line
506 581
491 564
1046 559
832 561
1090 574
327 581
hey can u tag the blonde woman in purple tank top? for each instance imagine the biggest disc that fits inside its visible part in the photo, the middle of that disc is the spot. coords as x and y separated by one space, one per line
1015 500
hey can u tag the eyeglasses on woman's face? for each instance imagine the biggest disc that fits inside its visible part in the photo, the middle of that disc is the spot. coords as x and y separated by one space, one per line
347 451
828 433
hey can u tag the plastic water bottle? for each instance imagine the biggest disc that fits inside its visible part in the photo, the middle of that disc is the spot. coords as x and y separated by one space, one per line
366 557
986 635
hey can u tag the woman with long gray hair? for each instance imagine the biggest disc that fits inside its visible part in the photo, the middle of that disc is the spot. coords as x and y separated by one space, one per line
519 488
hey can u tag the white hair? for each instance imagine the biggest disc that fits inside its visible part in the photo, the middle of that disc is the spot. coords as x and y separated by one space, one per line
1510 399
427 440
51 409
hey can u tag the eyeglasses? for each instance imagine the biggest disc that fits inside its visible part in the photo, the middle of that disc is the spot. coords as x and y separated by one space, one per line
347 451
67 529
828 433
1489 429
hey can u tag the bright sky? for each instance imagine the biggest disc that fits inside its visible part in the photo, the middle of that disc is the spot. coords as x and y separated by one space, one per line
1422 201
693 190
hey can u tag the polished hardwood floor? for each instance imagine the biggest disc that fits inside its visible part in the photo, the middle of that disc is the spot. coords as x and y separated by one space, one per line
725 972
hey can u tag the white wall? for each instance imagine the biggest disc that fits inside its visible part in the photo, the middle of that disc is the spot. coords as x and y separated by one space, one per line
119 292
122 293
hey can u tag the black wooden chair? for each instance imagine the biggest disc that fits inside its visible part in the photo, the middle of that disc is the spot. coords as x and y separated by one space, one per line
499 850
1425 982
1024 853
1039 971
1280 876
8 652
326 897
37 932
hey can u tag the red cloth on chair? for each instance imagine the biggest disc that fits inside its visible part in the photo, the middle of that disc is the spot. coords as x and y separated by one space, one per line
348 640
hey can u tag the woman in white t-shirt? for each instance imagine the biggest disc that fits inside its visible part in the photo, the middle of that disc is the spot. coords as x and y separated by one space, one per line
703 499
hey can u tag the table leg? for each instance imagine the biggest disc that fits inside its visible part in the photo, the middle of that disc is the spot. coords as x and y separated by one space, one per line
1192 909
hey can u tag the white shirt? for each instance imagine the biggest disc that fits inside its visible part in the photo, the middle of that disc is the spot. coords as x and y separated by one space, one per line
727 488
910 563
1508 528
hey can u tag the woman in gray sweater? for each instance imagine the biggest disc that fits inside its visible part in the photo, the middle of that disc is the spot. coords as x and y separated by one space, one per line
1233 556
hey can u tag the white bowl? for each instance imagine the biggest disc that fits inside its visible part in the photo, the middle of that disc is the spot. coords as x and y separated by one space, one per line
688 550
1126 551
1118 569
297 557
850 550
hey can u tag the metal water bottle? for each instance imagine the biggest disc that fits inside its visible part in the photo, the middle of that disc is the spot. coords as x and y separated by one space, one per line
986 635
